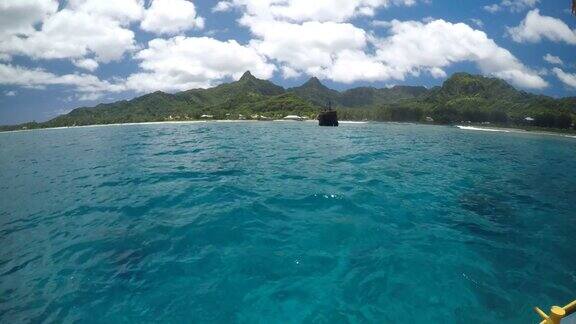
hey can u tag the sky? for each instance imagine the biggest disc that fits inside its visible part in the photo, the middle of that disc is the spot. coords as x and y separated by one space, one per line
59 55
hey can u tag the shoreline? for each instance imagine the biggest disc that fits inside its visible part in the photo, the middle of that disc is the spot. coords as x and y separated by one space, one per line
176 122
478 128
496 129
132 124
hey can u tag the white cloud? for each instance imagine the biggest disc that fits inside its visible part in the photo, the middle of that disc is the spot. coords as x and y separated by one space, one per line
10 93
288 72
311 47
171 17
330 10
511 5
87 64
81 28
20 16
519 5
124 11
493 8
93 96
355 65
222 6
313 38
428 19
342 52
535 27
380 23
327 50
437 72
553 59
182 63
295 37
568 79
71 34
38 78
414 46
317 10
478 22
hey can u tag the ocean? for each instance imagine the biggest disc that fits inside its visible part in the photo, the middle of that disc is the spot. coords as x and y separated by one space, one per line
285 222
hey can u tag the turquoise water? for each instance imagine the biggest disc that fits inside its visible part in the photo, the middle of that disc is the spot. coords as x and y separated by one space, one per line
284 223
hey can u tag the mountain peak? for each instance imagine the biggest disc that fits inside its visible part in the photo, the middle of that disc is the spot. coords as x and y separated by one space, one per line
466 84
314 82
247 76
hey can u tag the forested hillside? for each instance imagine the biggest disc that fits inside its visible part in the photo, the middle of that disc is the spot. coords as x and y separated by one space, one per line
462 98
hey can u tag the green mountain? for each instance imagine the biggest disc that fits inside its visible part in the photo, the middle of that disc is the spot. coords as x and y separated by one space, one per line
462 98
149 107
248 87
369 96
466 97
468 85
317 93
189 104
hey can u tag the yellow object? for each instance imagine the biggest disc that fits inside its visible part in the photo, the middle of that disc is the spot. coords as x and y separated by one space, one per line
570 308
556 313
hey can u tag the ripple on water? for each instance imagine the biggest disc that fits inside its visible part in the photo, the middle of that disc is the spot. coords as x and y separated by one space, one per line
223 222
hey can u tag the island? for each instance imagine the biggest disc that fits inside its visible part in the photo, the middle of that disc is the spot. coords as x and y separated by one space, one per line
463 98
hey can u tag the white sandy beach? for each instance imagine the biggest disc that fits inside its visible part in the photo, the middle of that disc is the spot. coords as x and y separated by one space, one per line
467 128
176 122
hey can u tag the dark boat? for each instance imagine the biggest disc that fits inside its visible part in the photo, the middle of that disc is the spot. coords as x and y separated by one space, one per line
328 117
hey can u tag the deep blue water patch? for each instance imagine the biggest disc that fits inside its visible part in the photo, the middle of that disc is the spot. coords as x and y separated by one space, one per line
284 222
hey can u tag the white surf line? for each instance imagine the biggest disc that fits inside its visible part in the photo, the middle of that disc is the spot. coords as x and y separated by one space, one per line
166 123
517 131
132 124
485 129
352 122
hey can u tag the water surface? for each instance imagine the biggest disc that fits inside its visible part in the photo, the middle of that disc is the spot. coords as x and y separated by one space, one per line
284 223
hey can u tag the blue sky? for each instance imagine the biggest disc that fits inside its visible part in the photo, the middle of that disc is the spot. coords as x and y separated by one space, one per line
56 56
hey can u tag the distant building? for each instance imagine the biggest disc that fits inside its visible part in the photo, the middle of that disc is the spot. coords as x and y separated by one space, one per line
207 117
529 119
430 119
241 117
293 117
260 117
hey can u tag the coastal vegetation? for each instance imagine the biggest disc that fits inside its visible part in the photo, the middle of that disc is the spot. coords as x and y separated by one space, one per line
463 98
